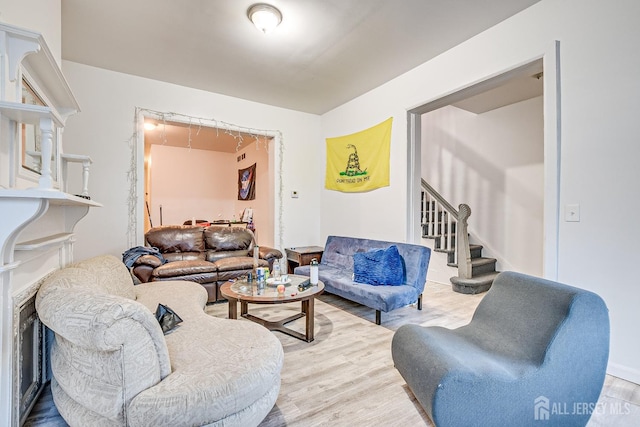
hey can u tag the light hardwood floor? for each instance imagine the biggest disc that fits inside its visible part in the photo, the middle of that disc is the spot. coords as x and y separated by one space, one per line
346 376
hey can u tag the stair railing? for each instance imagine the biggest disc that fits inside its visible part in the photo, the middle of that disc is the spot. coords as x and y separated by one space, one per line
439 215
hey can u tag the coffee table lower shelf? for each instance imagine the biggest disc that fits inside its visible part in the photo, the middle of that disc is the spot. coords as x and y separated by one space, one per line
307 311
306 299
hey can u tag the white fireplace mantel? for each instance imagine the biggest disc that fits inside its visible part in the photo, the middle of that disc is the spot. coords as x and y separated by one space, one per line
38 216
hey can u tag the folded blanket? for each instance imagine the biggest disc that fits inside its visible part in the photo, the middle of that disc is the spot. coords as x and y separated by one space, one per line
130 256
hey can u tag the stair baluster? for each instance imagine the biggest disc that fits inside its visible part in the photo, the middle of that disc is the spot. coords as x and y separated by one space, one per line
449 229
463 250
449 236
445 221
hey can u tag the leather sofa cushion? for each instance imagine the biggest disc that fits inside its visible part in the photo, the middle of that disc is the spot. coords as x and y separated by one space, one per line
183 268
225 239
238 263
202 278
184 256
214 256
178 238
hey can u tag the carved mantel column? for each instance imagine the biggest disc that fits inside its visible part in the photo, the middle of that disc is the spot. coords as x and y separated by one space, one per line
46 145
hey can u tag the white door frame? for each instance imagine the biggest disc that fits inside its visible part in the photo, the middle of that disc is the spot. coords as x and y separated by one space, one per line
136 196
552 144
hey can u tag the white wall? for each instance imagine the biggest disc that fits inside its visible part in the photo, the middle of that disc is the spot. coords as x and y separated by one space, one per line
600 129
206 189
494 163
43 16
105 126
209 188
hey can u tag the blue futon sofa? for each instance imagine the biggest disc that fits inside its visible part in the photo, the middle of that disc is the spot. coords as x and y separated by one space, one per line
336 271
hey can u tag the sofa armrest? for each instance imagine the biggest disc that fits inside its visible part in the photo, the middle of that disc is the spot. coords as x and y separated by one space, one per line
150 260
98 322
143 273
269 253
118 335
143 267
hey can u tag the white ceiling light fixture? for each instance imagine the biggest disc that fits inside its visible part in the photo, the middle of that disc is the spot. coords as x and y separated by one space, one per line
264 16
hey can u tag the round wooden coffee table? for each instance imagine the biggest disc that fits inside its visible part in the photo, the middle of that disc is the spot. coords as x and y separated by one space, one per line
248 292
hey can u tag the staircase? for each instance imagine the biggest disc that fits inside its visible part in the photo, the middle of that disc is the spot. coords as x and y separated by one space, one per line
483 272
442 223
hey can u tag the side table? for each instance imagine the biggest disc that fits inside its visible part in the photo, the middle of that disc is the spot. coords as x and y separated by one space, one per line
302 255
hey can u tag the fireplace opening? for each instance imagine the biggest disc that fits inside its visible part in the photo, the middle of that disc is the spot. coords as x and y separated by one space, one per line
30 349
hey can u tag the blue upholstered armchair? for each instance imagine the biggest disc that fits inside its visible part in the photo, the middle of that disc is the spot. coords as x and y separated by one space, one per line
535 350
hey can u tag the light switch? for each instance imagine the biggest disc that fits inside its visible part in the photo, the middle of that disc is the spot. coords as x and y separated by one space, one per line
572 213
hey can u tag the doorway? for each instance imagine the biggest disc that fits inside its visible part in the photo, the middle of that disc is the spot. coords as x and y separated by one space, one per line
549 65
189 169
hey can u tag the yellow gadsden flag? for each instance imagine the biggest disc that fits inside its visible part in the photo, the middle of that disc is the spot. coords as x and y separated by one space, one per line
360 161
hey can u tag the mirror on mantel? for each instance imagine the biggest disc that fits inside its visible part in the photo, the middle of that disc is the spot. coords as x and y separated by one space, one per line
31 137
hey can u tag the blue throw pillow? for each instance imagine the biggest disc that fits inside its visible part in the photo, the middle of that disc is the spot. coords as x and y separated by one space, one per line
379 267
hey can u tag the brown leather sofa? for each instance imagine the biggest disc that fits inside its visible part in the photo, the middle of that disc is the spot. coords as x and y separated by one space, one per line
206 255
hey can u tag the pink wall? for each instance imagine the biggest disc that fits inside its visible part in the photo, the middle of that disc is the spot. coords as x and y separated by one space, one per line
262 205
203 184
190 183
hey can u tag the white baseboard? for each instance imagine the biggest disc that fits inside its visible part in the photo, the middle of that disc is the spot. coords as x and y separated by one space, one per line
624 372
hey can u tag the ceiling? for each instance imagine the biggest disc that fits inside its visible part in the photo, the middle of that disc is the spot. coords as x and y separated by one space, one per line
196 137
522 85
325 52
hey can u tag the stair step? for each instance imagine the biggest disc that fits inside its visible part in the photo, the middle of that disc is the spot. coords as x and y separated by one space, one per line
438 234
439 240
445 251
482 260
438 223
482 265
475 250
472 248
475 285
